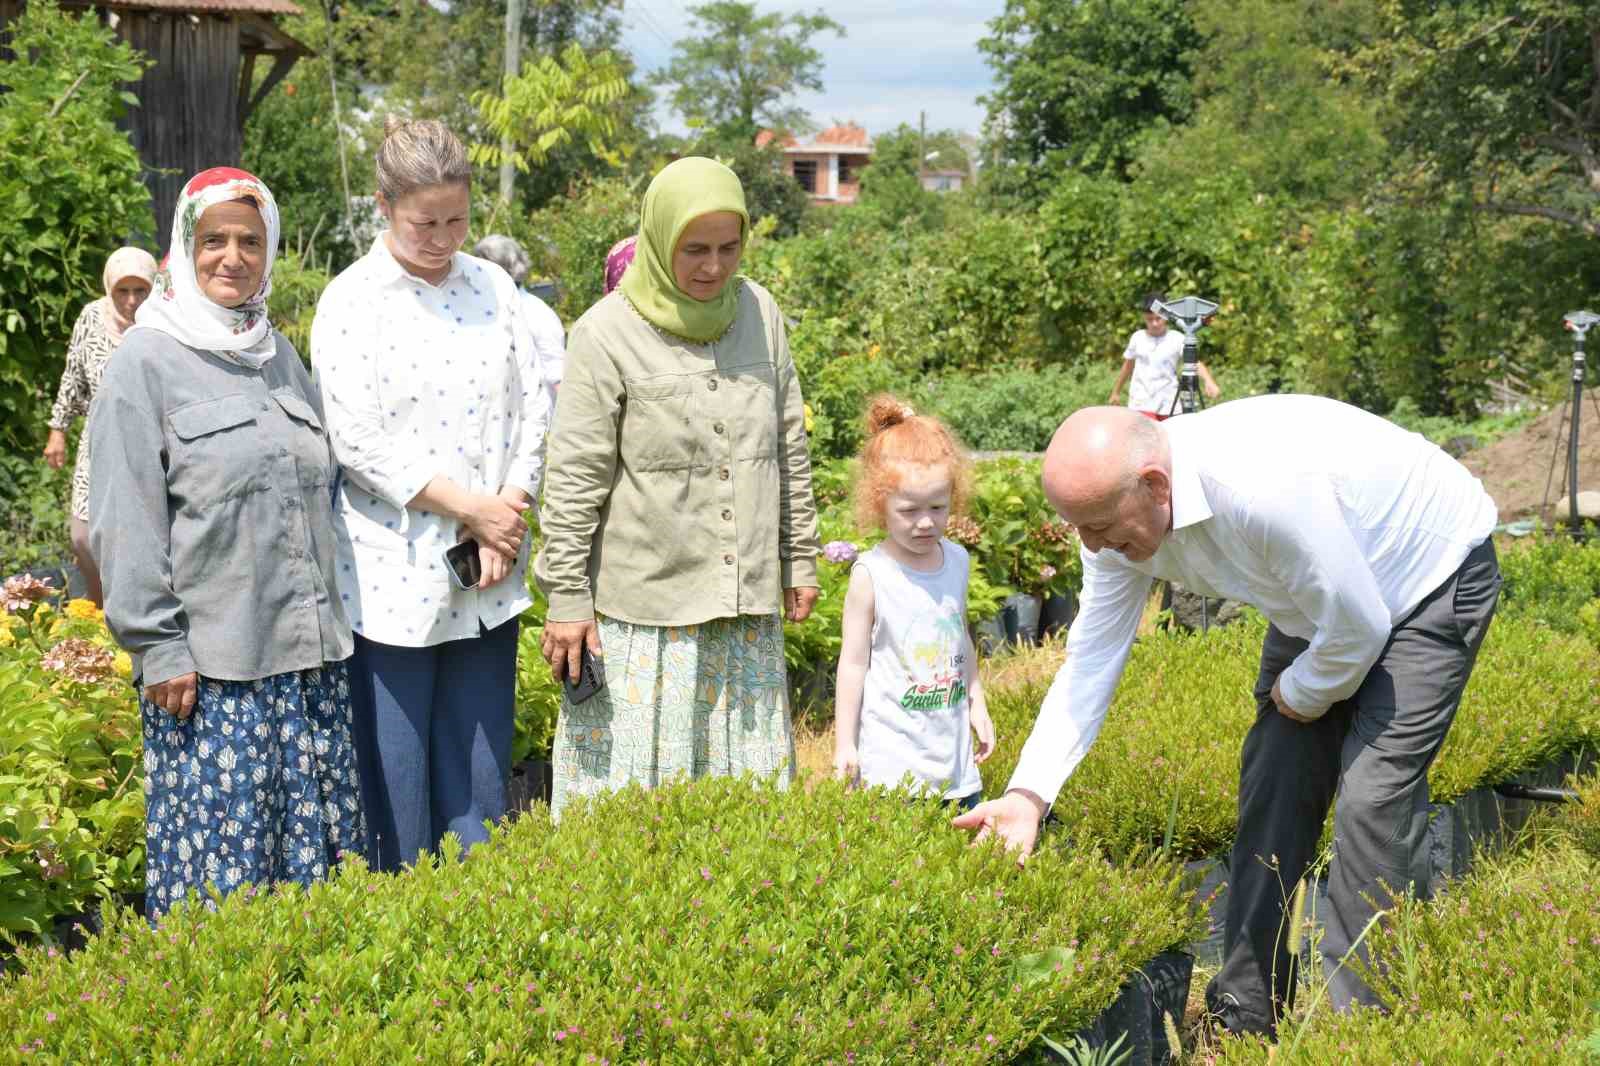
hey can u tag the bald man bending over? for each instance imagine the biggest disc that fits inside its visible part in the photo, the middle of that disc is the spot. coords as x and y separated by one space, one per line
1368 550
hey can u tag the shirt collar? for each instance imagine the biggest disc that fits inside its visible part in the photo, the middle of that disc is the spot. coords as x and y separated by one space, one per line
389 270
1189 503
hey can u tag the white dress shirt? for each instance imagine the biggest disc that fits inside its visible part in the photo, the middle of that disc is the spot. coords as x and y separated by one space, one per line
1333 522
550 337
418 381
1155 360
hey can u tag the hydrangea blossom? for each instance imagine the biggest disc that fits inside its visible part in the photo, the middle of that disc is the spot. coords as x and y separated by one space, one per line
840 551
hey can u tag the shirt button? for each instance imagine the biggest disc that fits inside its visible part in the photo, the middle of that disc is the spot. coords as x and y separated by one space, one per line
717 428
728 559
265 407
723 474
727 515
712 385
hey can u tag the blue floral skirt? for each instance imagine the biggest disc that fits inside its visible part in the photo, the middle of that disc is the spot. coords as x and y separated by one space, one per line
257 786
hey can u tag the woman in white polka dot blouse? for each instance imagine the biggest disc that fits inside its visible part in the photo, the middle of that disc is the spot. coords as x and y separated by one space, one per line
432 385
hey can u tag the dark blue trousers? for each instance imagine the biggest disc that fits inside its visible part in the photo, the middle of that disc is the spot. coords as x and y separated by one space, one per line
433 740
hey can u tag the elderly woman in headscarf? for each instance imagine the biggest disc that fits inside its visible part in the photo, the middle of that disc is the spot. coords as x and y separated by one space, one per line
126 280
679 524
210 511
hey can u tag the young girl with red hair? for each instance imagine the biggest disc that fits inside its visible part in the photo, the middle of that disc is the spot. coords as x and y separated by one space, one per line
909 700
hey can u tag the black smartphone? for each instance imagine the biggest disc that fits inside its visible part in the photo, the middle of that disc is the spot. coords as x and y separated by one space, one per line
591 677
466 568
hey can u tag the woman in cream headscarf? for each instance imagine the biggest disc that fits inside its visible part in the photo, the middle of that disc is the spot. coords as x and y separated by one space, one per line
679 524
210 511
126 279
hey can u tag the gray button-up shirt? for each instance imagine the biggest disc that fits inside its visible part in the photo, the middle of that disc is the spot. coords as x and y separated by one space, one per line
210 513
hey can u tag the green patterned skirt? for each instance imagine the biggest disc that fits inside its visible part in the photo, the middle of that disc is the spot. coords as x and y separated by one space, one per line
701 700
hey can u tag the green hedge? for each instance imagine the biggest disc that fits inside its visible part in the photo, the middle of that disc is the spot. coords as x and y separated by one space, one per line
1179 718
1503 967
725 921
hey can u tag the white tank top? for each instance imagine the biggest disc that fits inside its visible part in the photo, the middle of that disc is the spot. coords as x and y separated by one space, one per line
914 711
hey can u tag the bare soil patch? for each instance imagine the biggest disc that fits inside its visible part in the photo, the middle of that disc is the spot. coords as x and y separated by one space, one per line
1516 468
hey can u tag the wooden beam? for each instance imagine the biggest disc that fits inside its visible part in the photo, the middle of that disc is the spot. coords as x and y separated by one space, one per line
282 63
247 78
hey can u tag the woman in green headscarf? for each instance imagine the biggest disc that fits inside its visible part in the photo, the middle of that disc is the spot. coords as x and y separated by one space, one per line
679 526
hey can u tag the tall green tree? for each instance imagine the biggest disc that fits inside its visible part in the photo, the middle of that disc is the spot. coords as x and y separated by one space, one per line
1270 103
1496 102
70 193
1078 83
738 70
896 152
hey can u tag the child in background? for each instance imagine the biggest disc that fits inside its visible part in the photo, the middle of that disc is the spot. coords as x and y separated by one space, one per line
909 700
1152 359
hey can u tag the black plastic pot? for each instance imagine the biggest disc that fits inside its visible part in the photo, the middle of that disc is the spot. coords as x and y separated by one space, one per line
1057 614
1161 987
530 782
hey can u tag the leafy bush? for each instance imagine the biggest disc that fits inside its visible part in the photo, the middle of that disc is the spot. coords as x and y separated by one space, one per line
34 500
582 227
296 287
538 693
1012 410
71 803
70 192
1502 968
721 920
1014 534
1551 579
1184 706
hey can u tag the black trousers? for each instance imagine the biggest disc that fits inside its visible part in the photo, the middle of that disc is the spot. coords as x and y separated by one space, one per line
1373 750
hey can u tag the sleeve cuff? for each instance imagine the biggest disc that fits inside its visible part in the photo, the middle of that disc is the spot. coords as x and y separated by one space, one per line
570 607
166 661
526 479
1297 698
799 573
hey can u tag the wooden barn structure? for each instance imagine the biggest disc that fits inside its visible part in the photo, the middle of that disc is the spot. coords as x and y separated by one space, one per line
194 100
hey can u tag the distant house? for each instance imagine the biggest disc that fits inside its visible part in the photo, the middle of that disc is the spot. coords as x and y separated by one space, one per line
944 180
828 165
194 101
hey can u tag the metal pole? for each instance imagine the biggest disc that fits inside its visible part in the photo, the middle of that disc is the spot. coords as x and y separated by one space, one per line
513 67
338 125
1572 438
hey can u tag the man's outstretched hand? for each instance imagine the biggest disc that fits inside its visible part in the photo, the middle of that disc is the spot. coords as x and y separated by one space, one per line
1014 818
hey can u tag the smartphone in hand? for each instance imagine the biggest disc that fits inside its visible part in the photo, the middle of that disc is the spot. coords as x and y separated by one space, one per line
591 677
464 564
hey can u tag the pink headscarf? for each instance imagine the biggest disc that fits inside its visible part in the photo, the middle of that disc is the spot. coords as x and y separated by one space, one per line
617 260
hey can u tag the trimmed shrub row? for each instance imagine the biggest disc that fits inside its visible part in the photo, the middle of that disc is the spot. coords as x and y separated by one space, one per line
1175 729
726 921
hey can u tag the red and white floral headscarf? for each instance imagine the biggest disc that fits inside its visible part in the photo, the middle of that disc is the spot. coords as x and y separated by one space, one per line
178 307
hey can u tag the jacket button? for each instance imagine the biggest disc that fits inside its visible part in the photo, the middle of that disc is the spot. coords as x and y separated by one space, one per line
728 559
717 428
712 384
723 474
727 515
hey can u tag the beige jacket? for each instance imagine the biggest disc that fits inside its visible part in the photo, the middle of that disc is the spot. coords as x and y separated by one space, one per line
678 481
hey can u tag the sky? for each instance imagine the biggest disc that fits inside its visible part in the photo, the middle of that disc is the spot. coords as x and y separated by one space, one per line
896 58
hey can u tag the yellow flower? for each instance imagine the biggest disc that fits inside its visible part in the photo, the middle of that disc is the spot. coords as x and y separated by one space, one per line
6 637
811 420
123 664
84 610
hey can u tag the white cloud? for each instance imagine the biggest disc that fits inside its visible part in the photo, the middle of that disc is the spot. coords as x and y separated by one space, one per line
895 60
